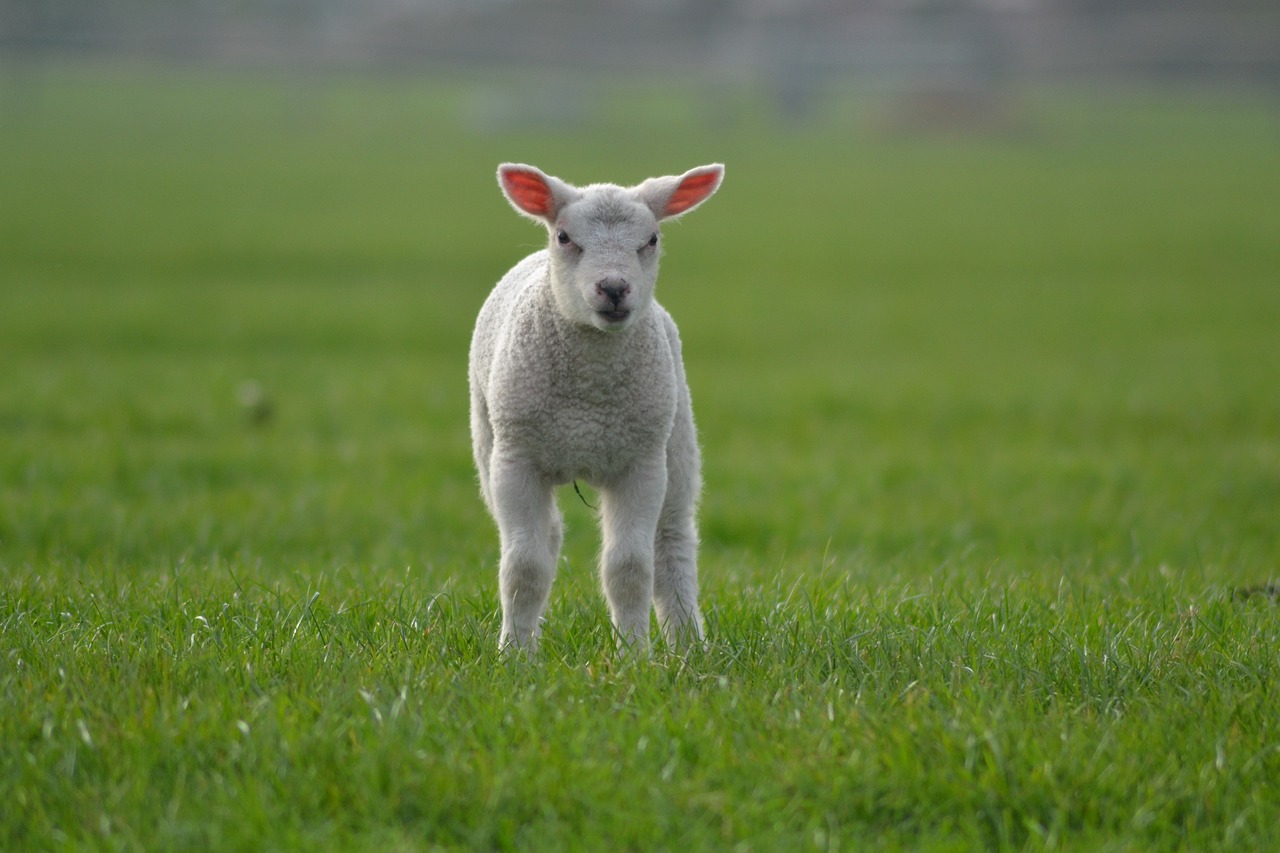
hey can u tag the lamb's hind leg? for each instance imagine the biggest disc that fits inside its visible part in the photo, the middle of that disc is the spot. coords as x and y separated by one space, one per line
675 570
675 579
530 529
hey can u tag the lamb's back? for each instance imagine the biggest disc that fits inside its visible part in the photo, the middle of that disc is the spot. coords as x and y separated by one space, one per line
495 315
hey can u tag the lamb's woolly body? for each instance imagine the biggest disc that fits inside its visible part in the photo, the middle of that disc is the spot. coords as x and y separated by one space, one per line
580 402
576 373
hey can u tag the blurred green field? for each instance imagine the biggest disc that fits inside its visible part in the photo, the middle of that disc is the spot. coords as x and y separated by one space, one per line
940 381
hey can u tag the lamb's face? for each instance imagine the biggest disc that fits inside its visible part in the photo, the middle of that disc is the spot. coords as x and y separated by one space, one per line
604 258
604 238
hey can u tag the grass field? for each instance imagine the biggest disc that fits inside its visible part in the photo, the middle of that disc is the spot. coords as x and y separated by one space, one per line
992 441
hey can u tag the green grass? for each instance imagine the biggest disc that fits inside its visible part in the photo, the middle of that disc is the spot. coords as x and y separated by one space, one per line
992 440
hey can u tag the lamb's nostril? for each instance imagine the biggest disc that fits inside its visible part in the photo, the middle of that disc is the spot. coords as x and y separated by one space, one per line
615 289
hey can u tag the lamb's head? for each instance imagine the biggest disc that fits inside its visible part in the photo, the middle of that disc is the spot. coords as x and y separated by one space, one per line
604 239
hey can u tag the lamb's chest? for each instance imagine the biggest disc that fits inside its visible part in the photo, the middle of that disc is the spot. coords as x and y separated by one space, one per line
592 417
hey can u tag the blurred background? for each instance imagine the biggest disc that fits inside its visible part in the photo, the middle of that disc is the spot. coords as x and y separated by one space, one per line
989 283
950 61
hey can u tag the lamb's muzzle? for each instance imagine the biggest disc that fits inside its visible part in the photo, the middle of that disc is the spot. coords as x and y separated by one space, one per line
616 291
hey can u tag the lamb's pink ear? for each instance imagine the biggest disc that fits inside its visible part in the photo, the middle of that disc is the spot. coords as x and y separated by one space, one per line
533 193
675 196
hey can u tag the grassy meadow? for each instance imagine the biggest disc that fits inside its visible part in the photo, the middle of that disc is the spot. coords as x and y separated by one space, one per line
991 426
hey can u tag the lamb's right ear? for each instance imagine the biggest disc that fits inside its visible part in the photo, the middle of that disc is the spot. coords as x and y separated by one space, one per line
534 193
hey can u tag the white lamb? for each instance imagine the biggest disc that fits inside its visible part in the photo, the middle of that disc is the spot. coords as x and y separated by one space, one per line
576 373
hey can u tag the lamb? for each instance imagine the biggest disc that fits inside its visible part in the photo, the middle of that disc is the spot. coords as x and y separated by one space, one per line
576 374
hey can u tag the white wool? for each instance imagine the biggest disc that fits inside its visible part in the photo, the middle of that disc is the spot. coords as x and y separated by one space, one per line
576 374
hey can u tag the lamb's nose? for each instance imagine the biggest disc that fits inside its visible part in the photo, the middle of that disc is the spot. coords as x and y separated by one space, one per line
614 288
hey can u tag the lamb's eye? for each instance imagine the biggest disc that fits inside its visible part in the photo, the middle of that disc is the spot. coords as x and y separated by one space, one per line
563 238
653 241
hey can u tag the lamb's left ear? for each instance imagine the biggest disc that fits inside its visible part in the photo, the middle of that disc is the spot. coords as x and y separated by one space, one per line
677 195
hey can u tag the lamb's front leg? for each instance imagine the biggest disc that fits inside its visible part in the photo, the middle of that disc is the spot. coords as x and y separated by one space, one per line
628 520
529 527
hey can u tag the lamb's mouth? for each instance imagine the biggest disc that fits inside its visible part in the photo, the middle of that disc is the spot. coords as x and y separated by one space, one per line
615 315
